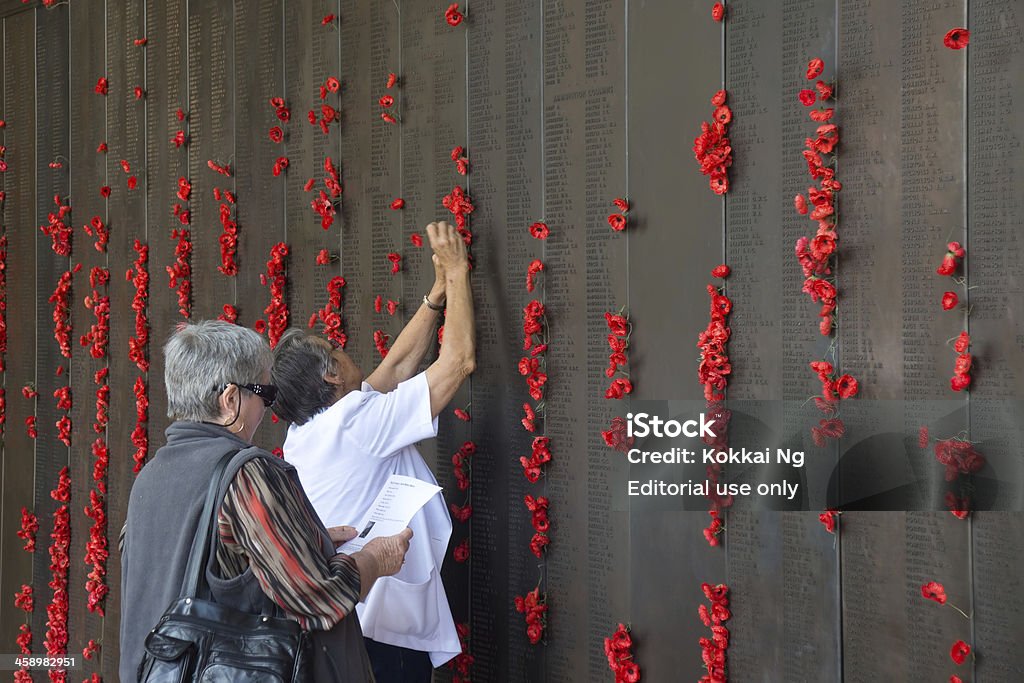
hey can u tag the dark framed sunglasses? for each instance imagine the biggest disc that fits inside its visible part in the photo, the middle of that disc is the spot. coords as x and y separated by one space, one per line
266 392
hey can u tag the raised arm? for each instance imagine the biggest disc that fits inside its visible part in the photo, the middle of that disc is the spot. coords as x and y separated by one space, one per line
406 354
457 359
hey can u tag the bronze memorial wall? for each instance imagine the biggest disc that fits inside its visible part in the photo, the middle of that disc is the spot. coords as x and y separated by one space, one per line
561 107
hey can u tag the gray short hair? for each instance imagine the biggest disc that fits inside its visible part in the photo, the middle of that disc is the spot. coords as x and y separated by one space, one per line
203 356
299 368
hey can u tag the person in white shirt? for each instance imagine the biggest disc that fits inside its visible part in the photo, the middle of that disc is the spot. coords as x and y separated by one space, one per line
347 436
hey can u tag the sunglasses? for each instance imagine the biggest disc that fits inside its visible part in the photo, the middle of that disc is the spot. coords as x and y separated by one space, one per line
266 392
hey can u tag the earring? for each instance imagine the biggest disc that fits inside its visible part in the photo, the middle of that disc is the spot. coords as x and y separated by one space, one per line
241 428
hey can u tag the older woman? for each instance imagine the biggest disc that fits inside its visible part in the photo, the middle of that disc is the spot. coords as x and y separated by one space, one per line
273 547
348 435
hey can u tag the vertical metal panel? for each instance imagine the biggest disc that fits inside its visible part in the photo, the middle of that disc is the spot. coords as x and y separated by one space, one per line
995 68
887 557
51 53
783 567
585 276
126 135
311 55
165 70
381 184
997 544
902 79
211 104
933 201
361 121
87 171
505 150
808 31
994 245
432 58
303 37
676 239
885 185
19 182
258 76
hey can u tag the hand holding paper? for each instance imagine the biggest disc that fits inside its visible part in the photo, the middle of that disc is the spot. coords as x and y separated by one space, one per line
391 511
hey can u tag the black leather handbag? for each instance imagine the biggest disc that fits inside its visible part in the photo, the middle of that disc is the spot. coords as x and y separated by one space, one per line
198 640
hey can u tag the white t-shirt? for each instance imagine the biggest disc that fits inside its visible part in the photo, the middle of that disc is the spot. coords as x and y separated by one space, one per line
343 456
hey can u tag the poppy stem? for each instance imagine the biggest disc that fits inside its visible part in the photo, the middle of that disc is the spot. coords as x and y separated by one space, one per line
959 610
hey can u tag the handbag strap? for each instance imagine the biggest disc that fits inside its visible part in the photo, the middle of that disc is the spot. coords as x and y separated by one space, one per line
197 556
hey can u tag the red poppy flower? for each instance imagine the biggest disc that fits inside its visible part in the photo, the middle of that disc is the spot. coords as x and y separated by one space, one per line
452 15
960 650
963 364
723 115
621 204
814 68
392 80
829 518
846 386
280 165
617 324
396 262
333 84
949 301
962 342
948 266
822 115
276 134
934 591
132 182
957 38
720 183
139 42
807 97
392 307
617 221
540 230
718 12
959 382
180 114
398 203
955 679
328 18
824 90
416 239
138 92
179 138
323 257
721 271
386 101
461 551
388 118
309 185
618 388
284 114
102 148
214 166
800 203
105 191
101 85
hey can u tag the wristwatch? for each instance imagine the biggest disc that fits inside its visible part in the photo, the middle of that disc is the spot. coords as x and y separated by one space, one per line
432 306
